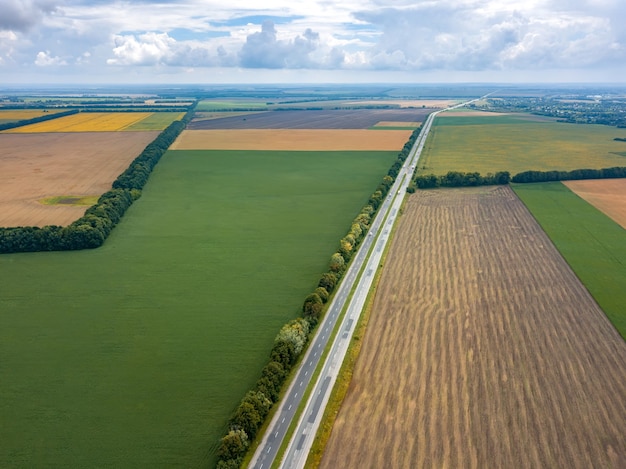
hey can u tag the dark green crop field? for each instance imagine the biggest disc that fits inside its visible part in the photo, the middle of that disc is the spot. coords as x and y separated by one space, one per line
593 244
135 354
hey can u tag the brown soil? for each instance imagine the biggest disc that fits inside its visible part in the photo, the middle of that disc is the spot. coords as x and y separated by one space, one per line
483 350
292 139
607 195
37 166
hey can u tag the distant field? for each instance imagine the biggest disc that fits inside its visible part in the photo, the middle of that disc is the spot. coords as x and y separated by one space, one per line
516 143
607 195
210 115
292 140
14 115
135 354
405 103
391 125
326 119
87 122
483 349
42 165
155 121
397 124
593 244
216 105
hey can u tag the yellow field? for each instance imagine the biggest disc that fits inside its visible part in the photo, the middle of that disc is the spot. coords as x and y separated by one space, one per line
22 114
86 122
292 139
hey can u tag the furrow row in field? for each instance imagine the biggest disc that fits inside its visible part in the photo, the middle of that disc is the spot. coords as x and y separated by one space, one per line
483 350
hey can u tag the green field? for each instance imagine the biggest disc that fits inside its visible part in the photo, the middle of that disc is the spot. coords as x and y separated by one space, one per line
517 143
134 354
156 121
229 105
70 200
593 244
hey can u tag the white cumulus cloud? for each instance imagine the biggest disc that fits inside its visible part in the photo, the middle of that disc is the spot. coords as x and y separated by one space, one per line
45 59
124 37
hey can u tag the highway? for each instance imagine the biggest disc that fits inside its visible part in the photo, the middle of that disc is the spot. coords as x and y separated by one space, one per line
359 276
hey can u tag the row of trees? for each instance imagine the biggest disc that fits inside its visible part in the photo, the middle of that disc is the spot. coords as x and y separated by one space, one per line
256 404
458 179
87 232
544 176
313 303
93 228
293 337
34 120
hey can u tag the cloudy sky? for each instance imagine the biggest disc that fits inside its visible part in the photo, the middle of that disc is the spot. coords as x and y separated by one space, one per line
309 41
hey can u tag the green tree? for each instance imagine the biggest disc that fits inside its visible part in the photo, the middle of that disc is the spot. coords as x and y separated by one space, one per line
247 418
312 305
337 263
233 446
328 281
322 293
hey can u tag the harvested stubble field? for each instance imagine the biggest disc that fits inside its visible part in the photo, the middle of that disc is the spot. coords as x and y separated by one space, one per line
483 350
292 140
326 119
14 115
38 166
607 195
86 122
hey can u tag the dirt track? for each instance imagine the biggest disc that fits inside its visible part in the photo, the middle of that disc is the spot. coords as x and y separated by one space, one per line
483 350
36 166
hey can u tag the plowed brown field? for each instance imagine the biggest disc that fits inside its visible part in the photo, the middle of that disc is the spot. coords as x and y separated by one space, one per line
37 166
607 195
483 350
